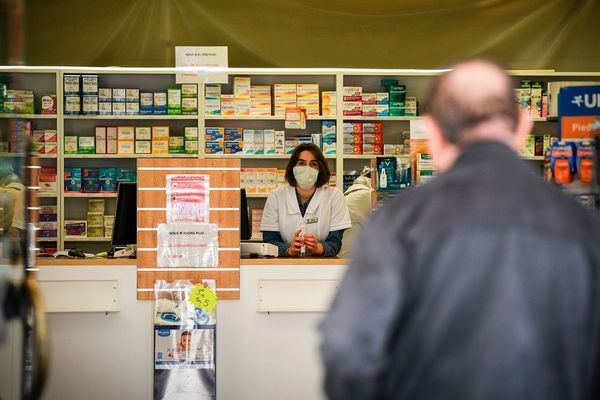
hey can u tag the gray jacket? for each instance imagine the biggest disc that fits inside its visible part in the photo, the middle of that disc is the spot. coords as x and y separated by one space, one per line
481 284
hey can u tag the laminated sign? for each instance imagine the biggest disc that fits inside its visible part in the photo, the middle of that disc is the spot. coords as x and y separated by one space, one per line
188 245
187 198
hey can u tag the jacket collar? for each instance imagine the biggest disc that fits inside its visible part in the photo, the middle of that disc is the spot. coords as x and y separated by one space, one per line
484 152
292 202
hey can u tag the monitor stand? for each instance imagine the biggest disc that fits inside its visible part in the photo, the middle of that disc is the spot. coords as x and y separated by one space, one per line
125 252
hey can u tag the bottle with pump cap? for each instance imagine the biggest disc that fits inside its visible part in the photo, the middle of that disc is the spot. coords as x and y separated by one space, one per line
383 179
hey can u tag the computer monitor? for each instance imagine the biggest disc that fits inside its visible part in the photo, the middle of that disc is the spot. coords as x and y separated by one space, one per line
125 226
245 231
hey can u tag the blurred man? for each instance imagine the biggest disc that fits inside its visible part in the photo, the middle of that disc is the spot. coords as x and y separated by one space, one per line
481 284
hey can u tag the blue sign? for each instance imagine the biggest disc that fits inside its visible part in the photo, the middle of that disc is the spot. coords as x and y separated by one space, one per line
579 100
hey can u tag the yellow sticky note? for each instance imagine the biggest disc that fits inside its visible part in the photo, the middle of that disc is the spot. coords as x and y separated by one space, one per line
203 298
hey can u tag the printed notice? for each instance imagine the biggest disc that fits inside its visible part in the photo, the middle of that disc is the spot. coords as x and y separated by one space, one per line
188 198
210 61
188 245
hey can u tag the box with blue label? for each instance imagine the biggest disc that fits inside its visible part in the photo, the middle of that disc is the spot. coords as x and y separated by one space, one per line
118 95
160 103
213 147
108 179
233 134
72 179
213 133
89 84
328 146
71 84
105 94
233 146
146 103
90 180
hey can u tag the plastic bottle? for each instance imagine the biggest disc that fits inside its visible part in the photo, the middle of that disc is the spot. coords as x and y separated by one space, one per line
383 180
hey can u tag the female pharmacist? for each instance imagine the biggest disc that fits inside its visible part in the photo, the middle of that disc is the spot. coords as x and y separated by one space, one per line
306 217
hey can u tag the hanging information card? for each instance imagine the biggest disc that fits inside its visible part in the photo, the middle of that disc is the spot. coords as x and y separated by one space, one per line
188 198
211 62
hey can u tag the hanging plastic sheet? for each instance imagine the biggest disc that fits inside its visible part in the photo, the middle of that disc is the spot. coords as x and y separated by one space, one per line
184 344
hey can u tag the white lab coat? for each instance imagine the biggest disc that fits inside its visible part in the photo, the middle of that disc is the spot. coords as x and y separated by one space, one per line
281 213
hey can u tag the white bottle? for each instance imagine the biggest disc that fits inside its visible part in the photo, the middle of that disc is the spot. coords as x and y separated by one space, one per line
383 180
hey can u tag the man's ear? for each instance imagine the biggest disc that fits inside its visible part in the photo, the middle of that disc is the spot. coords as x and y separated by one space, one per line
524 126
443 153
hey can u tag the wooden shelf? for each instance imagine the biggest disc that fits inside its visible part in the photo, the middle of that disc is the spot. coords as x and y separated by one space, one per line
534 158
28 116
46 239
88 195
48 195
131 156
130 117
87 239
265 117
259 157
362 118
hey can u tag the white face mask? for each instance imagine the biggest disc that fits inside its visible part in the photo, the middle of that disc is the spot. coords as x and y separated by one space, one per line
306 176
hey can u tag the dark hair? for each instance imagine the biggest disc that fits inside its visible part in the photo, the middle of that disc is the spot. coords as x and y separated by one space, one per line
324 173
455 111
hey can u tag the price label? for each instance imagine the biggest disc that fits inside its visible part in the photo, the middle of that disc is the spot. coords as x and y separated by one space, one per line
203 298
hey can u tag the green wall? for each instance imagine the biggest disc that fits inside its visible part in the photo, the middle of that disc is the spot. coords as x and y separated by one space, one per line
534 34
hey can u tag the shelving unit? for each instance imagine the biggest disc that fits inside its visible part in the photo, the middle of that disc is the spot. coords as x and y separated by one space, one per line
50 80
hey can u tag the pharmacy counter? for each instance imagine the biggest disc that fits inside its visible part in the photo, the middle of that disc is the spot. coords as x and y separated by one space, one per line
267 341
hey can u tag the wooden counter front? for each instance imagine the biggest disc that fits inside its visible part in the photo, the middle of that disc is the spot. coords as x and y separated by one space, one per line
83 262
293 261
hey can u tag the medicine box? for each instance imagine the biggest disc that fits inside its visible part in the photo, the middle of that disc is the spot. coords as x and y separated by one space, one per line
126 175
160 103
190 133
213 147
233 134
189 106
132 95
105 94
213 133
143 133
108 179
119 95
176 145
118 108
72 179
104 108
160 133
189 90
160 147
90 180
233 146
86 145
70 144
75 228
89 84
71 84
125 133
143 147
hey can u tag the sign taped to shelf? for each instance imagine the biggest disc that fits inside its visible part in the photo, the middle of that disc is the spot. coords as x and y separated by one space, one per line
418 129
210 61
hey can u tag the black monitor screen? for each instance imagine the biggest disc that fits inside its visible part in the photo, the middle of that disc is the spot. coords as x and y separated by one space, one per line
245 229
125 228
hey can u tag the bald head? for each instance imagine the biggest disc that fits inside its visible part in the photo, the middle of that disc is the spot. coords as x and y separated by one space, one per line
472 94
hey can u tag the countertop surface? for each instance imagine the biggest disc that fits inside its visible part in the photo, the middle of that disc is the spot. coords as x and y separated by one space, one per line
90 262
